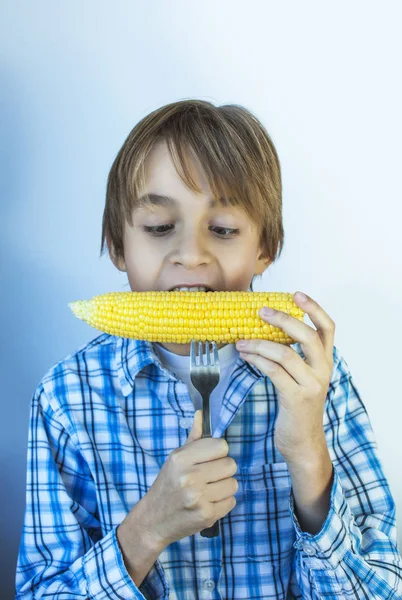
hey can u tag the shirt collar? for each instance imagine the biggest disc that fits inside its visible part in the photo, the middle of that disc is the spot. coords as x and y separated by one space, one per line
132 356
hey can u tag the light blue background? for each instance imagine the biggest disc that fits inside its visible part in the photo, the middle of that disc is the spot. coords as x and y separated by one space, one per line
75 78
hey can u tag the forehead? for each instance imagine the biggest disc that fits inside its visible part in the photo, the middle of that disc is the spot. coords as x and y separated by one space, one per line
165 188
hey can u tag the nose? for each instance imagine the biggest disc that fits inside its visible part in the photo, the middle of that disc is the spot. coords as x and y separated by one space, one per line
191 251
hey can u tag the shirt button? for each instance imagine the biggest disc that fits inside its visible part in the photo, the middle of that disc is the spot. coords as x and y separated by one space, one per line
185 423
309 550
208 584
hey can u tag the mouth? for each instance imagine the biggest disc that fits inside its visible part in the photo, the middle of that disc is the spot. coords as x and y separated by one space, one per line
193 288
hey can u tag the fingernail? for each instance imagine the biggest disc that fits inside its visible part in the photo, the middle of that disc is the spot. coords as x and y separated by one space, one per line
241 344
301 297
267 312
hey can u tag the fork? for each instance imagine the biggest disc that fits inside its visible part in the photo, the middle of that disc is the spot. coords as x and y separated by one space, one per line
205 377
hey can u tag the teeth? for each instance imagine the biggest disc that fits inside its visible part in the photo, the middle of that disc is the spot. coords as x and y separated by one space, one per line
191 289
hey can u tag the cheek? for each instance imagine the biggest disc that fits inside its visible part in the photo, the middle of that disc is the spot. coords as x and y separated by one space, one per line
241 267
143 263
137 246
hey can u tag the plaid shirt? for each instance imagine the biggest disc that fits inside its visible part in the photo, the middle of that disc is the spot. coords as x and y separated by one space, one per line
102 423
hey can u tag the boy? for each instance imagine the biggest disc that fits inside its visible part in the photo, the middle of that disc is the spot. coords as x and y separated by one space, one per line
120 482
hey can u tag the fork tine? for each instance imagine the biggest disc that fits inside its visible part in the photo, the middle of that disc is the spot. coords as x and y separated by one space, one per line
207 353
201 353
216 355
212 354
192 352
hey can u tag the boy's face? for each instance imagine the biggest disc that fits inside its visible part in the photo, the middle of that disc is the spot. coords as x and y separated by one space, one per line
191 242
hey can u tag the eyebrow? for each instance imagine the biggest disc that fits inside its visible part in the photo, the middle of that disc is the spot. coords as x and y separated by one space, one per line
167 201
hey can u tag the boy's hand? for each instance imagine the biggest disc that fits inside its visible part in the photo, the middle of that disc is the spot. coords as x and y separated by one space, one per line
302 385
194 488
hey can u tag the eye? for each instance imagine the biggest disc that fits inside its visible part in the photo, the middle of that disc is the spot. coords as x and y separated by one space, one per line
160 230
155 230
231 231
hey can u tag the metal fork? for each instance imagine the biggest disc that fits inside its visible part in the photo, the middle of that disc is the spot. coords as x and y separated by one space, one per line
204 376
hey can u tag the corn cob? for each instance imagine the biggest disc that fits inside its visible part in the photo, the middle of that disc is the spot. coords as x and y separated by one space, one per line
180 316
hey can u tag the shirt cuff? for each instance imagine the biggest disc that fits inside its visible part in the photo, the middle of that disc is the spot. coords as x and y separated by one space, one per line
155 586
326 549
107 577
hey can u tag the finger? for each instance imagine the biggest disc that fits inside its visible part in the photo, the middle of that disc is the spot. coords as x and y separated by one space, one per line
204 449
311 340
283 382
217 470
283 355
301 332
322 321
220 490
196 429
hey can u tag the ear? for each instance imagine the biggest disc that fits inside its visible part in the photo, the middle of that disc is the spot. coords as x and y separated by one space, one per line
118 261
262 263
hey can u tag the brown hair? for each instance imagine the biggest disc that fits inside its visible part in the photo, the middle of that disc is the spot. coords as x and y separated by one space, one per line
237 154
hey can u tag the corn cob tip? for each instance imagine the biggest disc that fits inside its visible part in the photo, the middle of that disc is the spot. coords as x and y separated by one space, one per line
81 309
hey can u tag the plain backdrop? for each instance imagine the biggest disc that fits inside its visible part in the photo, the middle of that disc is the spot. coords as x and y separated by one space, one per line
75 77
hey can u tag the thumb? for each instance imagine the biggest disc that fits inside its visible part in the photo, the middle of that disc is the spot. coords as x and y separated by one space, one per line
196 429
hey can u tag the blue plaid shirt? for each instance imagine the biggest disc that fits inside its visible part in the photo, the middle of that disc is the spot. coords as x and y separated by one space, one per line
102 423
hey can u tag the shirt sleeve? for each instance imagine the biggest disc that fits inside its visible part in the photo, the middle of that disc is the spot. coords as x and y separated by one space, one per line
62 552
355 554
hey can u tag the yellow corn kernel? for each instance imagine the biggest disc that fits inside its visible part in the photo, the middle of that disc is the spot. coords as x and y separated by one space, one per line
179 317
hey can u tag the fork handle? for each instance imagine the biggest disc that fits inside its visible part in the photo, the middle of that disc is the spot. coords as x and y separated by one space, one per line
212 531
206 415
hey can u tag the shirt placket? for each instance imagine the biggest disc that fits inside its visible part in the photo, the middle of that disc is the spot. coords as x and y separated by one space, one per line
208 553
